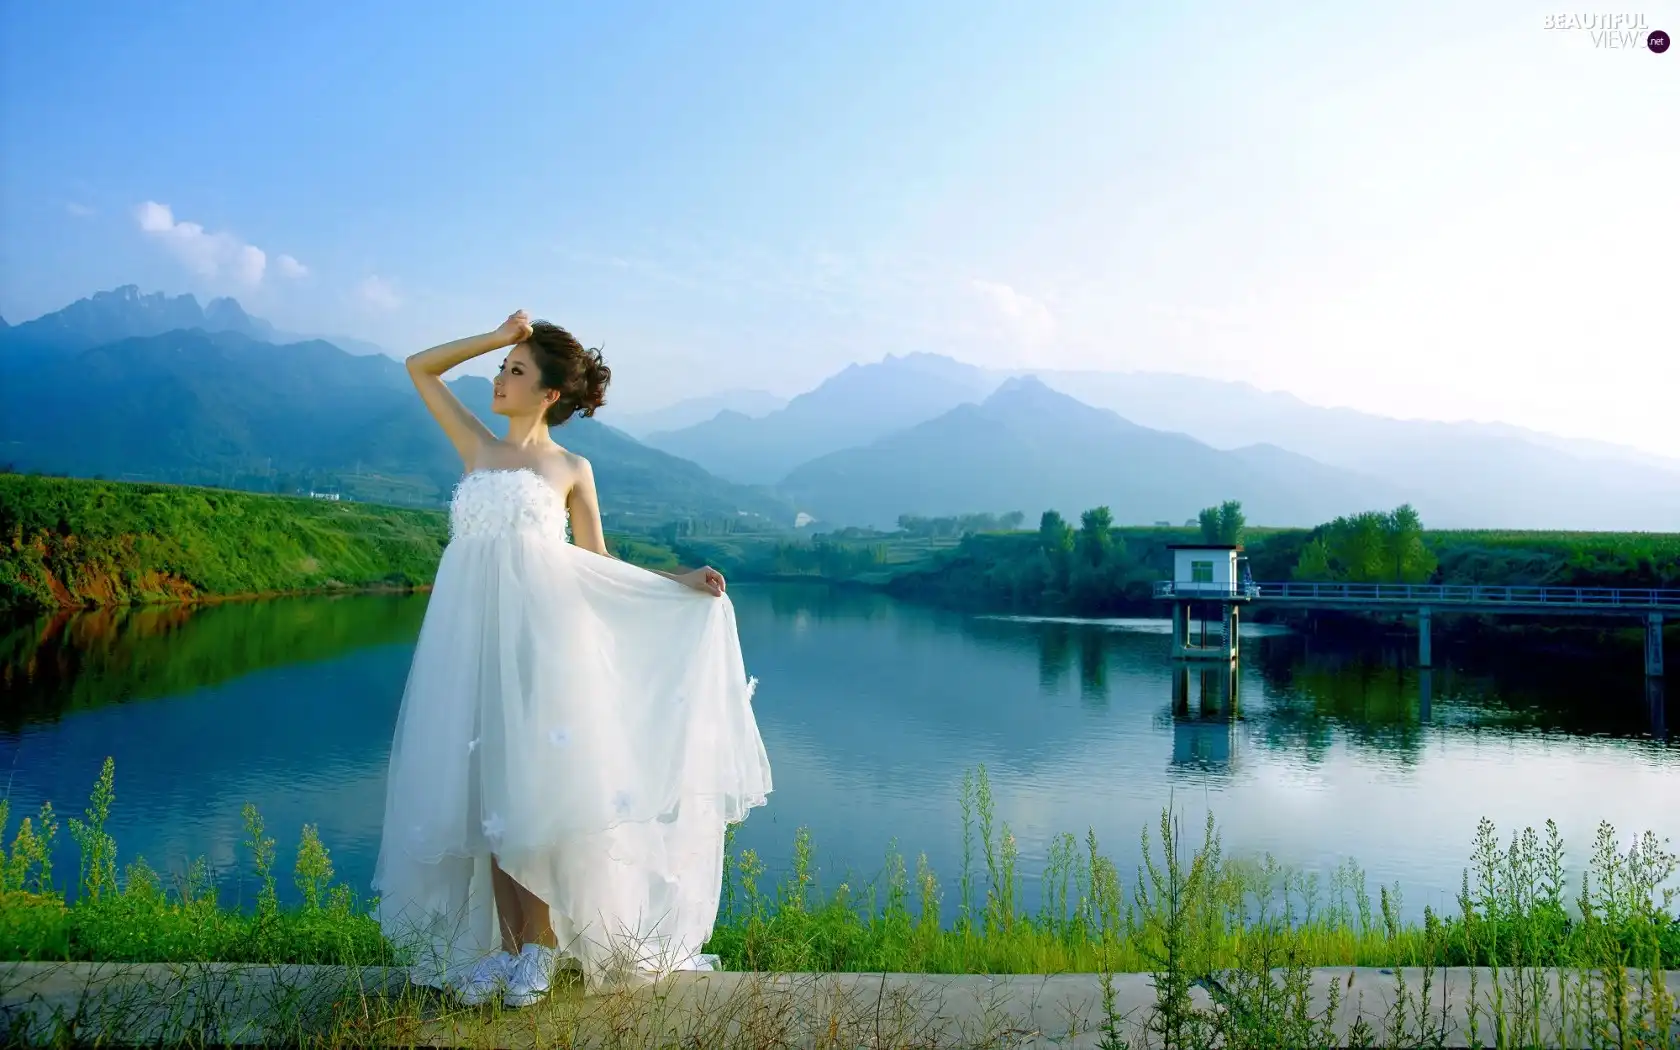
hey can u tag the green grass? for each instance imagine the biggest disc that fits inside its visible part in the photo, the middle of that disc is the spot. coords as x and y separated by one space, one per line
1249 934
1189 906
70 542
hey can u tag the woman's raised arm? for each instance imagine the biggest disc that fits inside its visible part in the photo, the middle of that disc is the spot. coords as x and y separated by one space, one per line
466 431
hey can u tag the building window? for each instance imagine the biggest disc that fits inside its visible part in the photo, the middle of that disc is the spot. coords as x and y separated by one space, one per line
1201 572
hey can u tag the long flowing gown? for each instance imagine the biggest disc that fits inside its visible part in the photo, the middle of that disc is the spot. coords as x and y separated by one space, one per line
586 723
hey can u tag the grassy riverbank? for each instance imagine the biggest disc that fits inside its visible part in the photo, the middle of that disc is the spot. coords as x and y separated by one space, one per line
1190 905
70 543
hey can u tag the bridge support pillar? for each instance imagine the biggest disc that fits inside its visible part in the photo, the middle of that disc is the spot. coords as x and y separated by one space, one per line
1426 655
1426 694
1193 640
1653 645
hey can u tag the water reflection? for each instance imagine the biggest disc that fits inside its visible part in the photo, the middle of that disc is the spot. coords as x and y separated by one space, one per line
55 665
873 711
1057 644
1205 709
1656 708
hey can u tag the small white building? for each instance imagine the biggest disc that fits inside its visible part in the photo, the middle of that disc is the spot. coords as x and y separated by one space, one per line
1204 569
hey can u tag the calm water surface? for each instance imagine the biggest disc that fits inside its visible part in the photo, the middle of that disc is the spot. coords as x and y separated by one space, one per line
872 711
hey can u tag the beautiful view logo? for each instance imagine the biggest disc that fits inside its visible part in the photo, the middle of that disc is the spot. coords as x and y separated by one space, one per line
1620 31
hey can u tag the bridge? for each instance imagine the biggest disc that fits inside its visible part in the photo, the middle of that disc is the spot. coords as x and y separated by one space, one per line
1649 605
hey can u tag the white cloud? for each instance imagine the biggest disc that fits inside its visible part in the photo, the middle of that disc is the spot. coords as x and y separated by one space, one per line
377 292
1029 320
208 254
78 211
290 267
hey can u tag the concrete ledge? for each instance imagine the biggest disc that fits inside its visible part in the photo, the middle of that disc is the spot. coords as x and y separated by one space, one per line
118 1004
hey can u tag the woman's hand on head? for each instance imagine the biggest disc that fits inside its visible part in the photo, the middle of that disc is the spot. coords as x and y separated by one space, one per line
705 579
516 329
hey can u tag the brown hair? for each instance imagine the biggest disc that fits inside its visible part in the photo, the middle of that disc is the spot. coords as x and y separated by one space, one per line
577 374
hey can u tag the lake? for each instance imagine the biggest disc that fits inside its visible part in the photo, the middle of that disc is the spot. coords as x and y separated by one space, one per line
872 711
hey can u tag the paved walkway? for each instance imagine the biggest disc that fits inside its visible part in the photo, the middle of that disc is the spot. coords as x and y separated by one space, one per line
225 1003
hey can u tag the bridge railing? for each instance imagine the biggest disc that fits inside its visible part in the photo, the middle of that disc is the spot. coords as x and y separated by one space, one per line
1429 594
1209 591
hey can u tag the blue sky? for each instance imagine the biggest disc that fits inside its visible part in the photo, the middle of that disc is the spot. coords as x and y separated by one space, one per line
1417 209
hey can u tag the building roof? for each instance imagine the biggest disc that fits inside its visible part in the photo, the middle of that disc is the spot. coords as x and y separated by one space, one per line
1204 546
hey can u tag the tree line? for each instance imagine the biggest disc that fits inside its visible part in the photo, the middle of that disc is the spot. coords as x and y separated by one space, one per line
1096 568
959 525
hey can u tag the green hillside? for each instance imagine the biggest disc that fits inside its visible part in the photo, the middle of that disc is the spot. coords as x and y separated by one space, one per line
74 543
69 543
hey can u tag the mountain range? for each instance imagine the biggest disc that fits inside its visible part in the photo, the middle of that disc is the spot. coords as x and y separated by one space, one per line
224 407
1028 446
125 384
1459 475
126 312
693 410
853 407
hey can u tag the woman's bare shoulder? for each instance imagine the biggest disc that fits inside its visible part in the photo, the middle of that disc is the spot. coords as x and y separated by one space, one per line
579 465
563 469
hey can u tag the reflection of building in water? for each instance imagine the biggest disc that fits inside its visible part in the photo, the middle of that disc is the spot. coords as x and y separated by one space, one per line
1205 711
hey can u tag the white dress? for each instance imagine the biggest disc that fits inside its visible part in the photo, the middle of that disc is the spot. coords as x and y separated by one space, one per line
586 722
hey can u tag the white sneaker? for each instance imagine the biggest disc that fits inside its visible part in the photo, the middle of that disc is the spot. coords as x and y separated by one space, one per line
530 976
486 980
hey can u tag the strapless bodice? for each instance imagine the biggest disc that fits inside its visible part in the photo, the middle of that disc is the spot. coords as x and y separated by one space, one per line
491 503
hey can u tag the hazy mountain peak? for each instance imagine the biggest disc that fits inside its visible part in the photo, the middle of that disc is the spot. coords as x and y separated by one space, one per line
1023 396
130 297
225 308
903 375
1021 387
856 405
125 312
735 405
226 315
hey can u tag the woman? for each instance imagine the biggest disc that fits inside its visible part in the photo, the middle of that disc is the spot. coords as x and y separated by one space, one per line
576 731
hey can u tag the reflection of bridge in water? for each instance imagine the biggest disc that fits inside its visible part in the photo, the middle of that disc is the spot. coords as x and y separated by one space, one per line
1207 711
1213 715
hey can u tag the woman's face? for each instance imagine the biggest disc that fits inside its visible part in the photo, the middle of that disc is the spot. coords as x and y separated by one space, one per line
518 386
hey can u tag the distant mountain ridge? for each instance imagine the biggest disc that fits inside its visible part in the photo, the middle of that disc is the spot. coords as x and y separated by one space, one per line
855 406
695 410
873 441
1459 475
127 312
196 406
1030 448
1229 413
